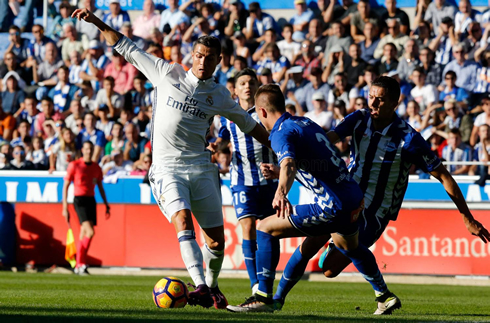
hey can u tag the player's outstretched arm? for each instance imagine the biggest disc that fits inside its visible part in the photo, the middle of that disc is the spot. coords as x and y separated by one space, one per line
287 174
452 189
110 34
262 136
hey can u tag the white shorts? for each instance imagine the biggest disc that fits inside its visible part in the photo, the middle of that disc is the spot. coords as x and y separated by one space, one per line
196 189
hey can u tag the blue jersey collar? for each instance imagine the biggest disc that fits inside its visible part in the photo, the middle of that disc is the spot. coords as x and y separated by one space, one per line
279 121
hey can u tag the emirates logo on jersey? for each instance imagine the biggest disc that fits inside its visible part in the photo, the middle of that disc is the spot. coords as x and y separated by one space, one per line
209 100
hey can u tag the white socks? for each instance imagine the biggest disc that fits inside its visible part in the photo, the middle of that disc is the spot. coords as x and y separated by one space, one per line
213 260
192 256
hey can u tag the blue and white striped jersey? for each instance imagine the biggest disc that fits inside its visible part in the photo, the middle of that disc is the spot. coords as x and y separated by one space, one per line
462 153
381 160
247 154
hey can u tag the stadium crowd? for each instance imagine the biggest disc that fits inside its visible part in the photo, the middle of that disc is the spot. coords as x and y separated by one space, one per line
64 85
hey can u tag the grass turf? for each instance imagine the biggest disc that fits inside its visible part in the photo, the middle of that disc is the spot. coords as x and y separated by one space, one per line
69 298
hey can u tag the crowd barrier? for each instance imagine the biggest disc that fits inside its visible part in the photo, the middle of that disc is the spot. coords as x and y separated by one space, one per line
427 240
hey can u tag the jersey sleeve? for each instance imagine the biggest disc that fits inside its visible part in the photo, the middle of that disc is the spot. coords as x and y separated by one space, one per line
420 154
223 133
346 127
232 111
283 143
152 67
70 172
100 141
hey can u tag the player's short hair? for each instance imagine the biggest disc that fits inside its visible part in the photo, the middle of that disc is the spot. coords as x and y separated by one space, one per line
246 71
210 42
391 86
271 98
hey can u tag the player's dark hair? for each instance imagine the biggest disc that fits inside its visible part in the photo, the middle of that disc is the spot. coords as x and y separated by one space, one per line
271 98
210 42
246 71
391 86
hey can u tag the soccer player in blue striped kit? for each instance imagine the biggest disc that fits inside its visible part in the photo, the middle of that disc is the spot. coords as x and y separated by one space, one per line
384 147
305 153
252 193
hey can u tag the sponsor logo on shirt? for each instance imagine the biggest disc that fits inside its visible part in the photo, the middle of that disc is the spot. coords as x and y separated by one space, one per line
429 161
189 107
209 100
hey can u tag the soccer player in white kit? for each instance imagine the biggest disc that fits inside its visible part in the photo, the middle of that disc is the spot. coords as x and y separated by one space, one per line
182 177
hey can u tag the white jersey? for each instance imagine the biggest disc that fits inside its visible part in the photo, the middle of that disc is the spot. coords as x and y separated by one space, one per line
184 108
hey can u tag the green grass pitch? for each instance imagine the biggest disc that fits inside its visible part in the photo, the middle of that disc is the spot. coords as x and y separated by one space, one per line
69 298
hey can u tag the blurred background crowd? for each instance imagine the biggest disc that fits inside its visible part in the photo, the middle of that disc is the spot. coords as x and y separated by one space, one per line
63 85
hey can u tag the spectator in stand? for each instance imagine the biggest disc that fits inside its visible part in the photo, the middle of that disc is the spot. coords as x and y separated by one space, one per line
142 120
353 67
225 70
115 163
140 96
63 17
48 113
336 61
405 95
241 48
337 38
343 92
315 35
7 124
431 69
240 63
270 37
370 42
457 151
235 18
302 17
103 123
85 174
467 71
88 97
176 56
109 97
370 74
73 41
481 153
275 62
288 47
392 12
207 12
45 73
257 23
134 147
95 136
51 136
361 104
63 152
37 46
116 17
122 72
437 11
336 12
315 85
451 91
127 30
170 16
464 17
359 18
424 94
5 155
10 64
13 96
94 64
394 36
19 161
412 116
90 30
30 114
481 119
389 61
473 40
409 60
192 8
423 33
76 112
18 45
142 167
117 141
75 68
339 112
21 134
319 113
307 58
146 21
443 44
63 92
457 119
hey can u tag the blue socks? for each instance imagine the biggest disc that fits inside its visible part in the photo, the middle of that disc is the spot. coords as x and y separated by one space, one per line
366 264
249 248
267 257
293 272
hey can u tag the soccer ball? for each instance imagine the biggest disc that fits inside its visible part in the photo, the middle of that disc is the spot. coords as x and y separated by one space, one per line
170 292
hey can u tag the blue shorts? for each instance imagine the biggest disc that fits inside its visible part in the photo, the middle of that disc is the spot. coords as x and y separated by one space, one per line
370 228
253 201
311 220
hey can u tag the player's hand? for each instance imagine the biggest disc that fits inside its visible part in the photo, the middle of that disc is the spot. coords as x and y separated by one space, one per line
270 171
213 147
477 229
107 211
66 215
84 14
282 205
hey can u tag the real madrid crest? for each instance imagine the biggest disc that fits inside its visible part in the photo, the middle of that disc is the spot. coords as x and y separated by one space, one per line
209 100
